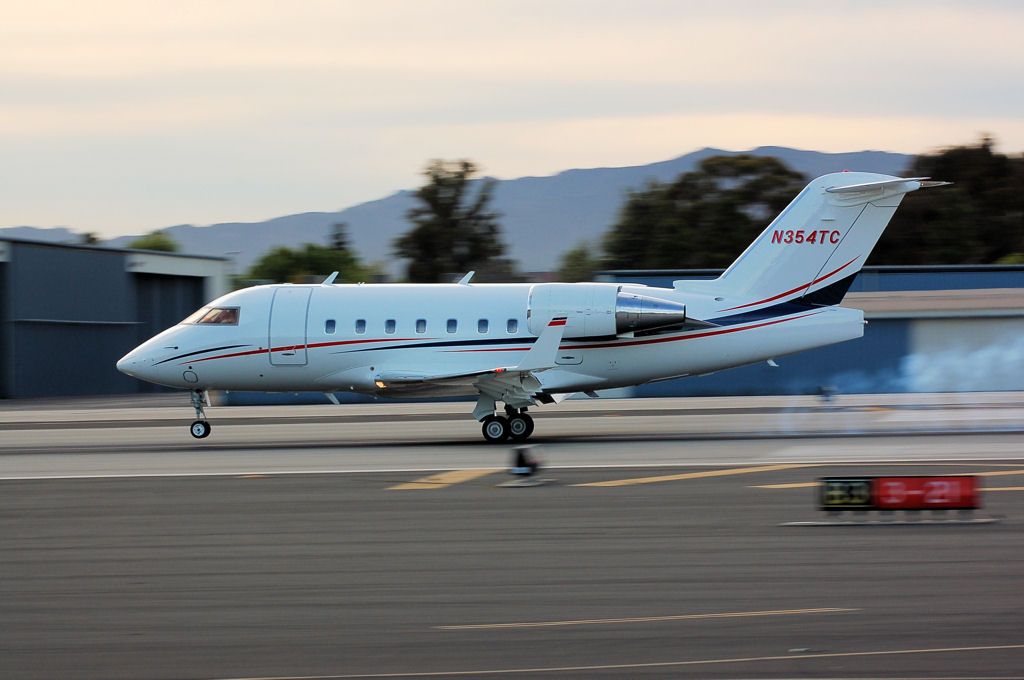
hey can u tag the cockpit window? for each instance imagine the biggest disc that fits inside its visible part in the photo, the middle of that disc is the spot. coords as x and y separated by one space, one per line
220 316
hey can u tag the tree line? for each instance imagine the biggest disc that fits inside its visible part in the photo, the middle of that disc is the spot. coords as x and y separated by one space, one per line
703 219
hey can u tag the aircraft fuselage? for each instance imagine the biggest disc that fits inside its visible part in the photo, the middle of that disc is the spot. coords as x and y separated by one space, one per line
343 337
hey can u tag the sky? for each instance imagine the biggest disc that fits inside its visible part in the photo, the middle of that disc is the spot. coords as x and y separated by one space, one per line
120 117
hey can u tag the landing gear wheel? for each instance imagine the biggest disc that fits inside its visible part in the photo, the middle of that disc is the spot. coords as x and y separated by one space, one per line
520 427
495 429
200 429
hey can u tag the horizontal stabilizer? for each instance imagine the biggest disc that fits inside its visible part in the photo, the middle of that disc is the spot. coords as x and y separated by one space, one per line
922 183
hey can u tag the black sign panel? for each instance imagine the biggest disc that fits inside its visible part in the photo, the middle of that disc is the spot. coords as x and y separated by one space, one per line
846 493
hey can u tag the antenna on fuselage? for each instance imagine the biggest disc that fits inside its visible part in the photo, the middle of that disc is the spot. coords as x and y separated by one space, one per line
330 279
464 281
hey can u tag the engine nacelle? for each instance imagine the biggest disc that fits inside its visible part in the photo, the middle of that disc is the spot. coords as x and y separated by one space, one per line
599 309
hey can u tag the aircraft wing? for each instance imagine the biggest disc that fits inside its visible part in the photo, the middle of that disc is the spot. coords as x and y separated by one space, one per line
511 384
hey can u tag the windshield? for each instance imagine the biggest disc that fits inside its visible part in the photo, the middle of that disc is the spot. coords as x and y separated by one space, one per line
223 316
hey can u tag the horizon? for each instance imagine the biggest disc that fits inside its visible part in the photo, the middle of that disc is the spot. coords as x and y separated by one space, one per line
394 192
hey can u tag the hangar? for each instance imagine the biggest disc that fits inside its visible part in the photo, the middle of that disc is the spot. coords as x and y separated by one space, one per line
930 329
69 312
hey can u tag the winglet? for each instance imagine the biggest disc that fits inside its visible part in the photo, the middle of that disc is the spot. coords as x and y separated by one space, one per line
330 279
542 354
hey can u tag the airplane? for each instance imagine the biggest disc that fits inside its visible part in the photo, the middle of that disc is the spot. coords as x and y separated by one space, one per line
522 345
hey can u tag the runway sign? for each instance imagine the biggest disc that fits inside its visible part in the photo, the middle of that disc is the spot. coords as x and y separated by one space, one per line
949 492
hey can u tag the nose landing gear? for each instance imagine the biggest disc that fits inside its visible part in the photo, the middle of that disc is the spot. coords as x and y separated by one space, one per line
200 427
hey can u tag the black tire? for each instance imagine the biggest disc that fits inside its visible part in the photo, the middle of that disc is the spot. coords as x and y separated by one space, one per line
200 429
495 429
520 427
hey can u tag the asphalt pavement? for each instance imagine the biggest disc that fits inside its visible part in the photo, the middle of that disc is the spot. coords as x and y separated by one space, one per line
349 576
379 542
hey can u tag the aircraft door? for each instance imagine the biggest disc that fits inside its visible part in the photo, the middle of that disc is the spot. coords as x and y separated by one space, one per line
288 326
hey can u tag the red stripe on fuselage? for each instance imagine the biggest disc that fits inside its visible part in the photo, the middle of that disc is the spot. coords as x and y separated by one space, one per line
314 345
651 341
602 345
795 290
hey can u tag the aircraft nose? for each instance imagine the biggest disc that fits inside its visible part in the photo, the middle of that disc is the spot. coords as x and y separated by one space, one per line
129 363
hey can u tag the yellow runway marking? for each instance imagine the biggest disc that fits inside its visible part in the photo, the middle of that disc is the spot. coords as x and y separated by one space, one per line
996 473
443 479
695 475
990 473
652 664
644 619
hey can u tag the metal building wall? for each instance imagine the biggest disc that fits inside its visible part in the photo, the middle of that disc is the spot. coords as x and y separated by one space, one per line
67 314
72 316
6 357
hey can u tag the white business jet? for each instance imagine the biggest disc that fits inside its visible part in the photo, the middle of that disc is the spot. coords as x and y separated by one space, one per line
521 345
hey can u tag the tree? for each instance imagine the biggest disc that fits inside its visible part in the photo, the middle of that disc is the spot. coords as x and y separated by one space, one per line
578 264
311 260
979 219
454 230
703 219
339 236
155 240
90 238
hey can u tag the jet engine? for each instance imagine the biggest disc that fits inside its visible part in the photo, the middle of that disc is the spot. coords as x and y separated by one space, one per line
600 309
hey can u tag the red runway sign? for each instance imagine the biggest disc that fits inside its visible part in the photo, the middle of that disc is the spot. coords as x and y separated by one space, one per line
926 493
947 492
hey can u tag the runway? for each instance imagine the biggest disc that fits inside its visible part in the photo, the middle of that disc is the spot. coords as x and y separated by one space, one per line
82 438
156 564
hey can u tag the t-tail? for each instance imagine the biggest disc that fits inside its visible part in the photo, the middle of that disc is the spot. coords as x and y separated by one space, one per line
816 246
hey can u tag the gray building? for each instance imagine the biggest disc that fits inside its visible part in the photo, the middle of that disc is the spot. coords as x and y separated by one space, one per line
68 313
930 329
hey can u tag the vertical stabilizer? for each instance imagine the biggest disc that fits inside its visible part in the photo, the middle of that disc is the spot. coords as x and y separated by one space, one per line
823 237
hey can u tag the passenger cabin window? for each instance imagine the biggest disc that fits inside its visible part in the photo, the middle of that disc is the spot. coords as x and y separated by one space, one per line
481 326
421 325
360 326
389 326
512 326
453 326
215 316
329 326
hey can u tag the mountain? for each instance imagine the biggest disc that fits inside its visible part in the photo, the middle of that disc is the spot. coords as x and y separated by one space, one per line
50 235
541 216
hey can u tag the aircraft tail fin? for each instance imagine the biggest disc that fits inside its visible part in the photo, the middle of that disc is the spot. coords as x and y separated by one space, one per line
816 245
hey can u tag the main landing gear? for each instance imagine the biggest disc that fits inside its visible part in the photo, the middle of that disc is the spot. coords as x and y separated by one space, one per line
515 425
200 427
